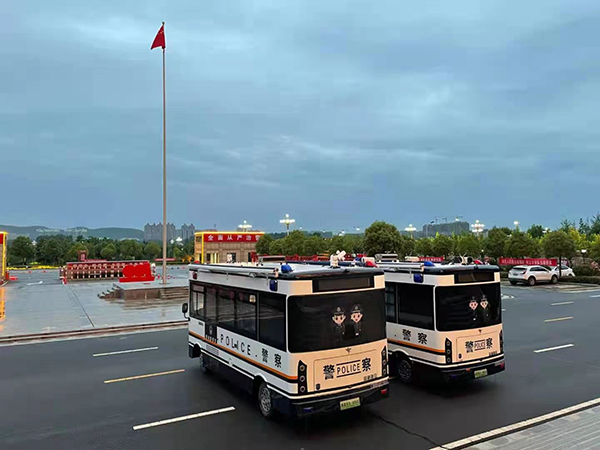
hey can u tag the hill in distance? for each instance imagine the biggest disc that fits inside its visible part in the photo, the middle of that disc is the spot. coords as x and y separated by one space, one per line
35 231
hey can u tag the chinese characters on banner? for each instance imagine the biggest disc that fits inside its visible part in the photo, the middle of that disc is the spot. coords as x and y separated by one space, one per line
232 237
434 259
528 261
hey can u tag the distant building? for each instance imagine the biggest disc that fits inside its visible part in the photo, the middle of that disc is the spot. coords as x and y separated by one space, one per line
153 232
225 246
448 229
187 231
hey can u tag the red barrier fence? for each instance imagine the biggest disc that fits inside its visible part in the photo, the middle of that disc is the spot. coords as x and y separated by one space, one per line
527 261
86 270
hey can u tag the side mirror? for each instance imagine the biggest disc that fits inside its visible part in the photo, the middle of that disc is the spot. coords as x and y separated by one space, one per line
184 308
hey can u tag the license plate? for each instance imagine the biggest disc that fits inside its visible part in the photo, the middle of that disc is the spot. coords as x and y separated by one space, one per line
481 373
479 345
352 403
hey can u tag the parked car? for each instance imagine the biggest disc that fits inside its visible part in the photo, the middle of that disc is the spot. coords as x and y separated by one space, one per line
566 271
531 275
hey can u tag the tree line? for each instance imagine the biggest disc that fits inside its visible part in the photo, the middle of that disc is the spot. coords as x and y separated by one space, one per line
381 237
57 250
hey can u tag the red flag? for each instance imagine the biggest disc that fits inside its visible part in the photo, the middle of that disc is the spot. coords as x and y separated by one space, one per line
159 40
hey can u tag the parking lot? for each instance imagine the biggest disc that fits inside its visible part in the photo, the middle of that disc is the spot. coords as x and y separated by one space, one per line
91 393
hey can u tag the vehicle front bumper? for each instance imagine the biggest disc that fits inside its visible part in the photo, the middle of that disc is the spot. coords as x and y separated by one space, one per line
467 372
329 403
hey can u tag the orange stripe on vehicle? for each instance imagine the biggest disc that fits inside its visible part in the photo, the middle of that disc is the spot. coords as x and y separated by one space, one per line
239 355
417 346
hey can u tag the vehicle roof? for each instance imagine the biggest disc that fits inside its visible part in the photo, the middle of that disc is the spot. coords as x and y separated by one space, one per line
441 269
299 271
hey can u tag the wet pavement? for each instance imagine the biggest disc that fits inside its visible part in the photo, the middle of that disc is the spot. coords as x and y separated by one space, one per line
39 303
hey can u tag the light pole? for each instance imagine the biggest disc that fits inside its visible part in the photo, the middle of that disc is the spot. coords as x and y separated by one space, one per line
477 227
410 229
287 222
546 230
516 223
244 226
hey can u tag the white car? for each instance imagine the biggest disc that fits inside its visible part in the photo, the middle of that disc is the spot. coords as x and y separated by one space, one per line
531 275
566 271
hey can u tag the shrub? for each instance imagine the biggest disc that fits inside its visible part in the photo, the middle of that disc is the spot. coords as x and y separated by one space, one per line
503 274
578 279
585 271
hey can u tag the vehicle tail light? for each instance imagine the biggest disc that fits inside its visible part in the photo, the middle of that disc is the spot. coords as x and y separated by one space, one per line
448 351
384 391
384 361
501 342
302 382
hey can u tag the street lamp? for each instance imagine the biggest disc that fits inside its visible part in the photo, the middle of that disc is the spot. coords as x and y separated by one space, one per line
516 223
546 230
477 227
287 222
244 226
410 229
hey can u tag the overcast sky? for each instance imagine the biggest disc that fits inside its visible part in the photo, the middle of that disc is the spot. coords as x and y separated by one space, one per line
336 112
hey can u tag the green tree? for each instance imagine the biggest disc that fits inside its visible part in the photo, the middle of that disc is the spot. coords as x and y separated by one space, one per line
73 253
566 225
409 245
536 231
442 245
293 243
595 225
276 247
519 245
153 251
262 246
108 252
559 244
313 245
595 249
584 227
469 245
53 249
495 243
424 247
130 249
22 250
382 237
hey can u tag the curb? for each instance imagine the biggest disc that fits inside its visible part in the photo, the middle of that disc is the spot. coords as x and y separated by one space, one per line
90 332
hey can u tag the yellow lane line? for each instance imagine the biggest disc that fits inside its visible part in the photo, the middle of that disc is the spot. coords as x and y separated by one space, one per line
144 376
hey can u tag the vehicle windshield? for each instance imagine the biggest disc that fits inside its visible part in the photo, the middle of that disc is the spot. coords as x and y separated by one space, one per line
467 307
329 321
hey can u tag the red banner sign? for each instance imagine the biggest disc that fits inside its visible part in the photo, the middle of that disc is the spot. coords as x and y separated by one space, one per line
435 259
232 237
528 261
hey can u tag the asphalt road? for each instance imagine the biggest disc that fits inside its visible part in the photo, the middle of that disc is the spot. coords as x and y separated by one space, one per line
53 394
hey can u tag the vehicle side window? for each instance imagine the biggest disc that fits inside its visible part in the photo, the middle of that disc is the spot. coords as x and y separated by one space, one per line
390 302
226 307
245 314
197 301
271 322
210 304
415 305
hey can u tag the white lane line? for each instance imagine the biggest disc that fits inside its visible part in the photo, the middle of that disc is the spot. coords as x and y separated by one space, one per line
126 351
137 377
559 319
594 296
503 310
179 419
553 348
34 284
493 434
561 303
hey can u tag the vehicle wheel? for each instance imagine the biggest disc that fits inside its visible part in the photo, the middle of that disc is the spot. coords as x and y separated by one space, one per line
531 281
514 283
404 369
554 279
265 401
203 363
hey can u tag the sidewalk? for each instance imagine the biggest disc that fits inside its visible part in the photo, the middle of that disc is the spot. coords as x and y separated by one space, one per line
580 430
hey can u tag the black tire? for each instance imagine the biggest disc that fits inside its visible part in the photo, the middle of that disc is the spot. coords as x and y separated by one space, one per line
554 279
531 281
265 401
514 283
404 369
203 363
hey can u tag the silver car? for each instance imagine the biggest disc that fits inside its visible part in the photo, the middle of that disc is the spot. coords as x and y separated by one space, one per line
531 275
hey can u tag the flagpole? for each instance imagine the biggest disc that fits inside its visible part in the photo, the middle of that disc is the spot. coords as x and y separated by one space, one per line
164 236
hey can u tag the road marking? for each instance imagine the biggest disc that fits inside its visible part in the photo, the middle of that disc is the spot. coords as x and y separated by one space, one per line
33 284
503 310
126 351
179 419
559 319
553 348
594 296
144 376
493 434
561 303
